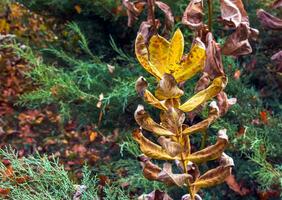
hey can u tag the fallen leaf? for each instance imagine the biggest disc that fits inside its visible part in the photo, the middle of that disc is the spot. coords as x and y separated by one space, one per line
263 117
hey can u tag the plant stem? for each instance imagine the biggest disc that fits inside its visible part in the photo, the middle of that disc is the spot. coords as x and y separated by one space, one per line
210 15
151 14
204 139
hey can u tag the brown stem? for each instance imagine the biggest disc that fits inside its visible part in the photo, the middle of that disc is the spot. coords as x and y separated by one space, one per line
151 14
210 15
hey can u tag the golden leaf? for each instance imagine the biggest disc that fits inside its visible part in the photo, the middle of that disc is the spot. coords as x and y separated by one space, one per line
203 125
214 176
193 63
144 120
166 176
141 88
172 148
217 85
158 51
167 88
211 152
142 55
175 52
149 148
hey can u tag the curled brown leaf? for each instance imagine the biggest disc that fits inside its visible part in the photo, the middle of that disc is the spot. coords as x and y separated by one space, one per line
167 88
277 4
193 15
269 21
150 170
237 43
133 10
172 148
166 176
169 19
144 120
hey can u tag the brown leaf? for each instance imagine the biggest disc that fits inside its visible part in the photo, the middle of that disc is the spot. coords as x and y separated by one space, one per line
211 152
277 59
224 103
233 12
172 148
269 21
193 15
150 170
169 19
155 195
149 148
213 64
133 10
144 120
167 88
263 117
235 186
237 43
141 88
166 176
203 82
214 176
277 4
172 119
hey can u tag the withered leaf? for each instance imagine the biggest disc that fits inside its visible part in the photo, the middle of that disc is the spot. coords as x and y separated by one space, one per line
172 119
203 125
214 176
146 29
155 195
193 15
167 88
150 170
269 21
277 59
149 148
201 97
172 148
203 82
141 88
166 176
169 19
237 43
144 120
142 55
277 4
224 103
211 152
133 10
233 13
213 64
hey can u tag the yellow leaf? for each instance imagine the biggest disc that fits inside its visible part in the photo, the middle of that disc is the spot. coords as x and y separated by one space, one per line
142 55
167 88
141 86
149 148
211 152
203 125
175 53
193 62
158 51
201 97
214 176
172 148
144 120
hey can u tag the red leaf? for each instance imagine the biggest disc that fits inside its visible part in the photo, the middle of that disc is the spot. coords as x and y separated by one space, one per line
263 117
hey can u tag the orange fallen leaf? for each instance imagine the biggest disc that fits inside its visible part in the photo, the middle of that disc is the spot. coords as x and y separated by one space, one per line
92 136
4 191
237 74
263 117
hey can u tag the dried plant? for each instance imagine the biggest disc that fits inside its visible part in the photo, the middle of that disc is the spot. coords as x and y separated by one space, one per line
164 60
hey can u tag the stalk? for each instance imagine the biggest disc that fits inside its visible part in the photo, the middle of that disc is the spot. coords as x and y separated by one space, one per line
210 12
204 139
